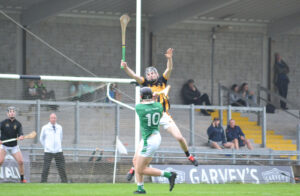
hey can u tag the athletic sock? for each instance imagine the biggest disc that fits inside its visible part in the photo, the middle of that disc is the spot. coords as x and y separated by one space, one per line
166 174
187 153
22 177
140 186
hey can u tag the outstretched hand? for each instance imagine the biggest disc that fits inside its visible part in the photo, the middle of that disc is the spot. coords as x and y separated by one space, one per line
123 64
155 95
169 53
21 137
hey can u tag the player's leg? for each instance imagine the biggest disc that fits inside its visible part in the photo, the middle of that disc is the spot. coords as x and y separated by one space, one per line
16 153
141 164
131 172
2 154
144 158
169 125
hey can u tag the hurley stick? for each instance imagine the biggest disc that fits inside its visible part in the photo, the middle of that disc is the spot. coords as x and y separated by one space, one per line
124 20
29 136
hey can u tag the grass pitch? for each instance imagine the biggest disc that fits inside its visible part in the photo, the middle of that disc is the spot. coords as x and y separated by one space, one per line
33 189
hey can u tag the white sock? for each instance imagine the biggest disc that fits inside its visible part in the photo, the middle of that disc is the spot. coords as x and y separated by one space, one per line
162 173
140 183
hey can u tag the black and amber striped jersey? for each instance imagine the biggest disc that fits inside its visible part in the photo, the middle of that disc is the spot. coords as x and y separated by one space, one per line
158 86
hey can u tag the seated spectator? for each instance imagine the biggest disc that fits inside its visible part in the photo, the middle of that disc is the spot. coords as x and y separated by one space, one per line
75 93
216 136
82 92
87 92
247 95
235 99
31 91
191 95
42 92
235 135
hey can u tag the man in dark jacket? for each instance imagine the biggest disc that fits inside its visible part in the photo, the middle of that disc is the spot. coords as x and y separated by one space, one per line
216 136
235 135
11 128
191 95
281 78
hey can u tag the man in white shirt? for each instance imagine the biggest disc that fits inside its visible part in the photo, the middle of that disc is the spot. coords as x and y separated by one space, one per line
51 138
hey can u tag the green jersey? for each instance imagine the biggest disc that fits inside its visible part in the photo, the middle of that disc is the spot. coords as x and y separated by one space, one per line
149 115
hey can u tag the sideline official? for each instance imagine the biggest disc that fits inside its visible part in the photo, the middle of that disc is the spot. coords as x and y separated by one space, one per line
51 139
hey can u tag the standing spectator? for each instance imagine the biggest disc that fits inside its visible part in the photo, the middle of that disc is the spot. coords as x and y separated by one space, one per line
235 99
247 95
235 135
191 95
281 78
12 128
216 136
51 138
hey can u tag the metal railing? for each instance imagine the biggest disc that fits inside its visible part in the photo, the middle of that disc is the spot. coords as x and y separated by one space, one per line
259 111
269 93
77 106
259 157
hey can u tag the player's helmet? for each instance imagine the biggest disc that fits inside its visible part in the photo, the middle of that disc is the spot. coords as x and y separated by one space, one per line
11 108
149 76
146 93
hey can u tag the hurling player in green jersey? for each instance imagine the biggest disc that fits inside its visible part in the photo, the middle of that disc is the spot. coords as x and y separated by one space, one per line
150 113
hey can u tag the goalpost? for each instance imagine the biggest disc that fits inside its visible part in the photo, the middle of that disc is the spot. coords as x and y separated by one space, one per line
107 81
94 79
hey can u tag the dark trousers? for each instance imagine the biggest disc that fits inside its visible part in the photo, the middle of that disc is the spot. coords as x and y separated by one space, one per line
60 164
239 102
203 99
283 91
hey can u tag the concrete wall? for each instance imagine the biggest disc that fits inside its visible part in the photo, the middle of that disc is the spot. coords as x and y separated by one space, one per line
238 56
240 52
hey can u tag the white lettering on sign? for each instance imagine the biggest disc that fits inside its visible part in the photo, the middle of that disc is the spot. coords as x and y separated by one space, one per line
9 172
204 178
1 173
213 176
231 172
223 177
252 173
193 176
241 174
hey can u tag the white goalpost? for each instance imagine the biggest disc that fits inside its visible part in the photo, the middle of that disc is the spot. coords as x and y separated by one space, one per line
108 82
73 79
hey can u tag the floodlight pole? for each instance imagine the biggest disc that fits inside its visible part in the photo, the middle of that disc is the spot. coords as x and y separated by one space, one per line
138 66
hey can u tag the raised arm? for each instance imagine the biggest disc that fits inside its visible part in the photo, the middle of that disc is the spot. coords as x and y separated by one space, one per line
131 73
169 56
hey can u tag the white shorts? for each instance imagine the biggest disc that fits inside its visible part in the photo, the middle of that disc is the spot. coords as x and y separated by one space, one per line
11 150
166 121
152 144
